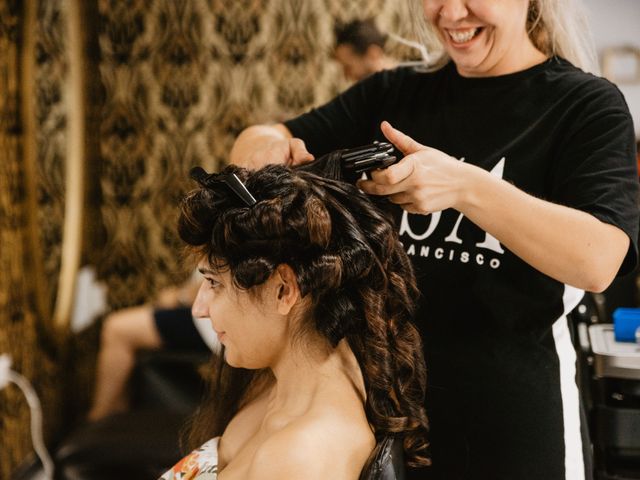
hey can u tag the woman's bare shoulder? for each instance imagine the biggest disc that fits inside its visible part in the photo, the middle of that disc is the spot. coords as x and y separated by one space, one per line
317 445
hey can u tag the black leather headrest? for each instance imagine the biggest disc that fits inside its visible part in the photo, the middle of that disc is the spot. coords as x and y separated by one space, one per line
386 462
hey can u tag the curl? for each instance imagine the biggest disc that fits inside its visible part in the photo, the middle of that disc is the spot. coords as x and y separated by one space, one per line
348 261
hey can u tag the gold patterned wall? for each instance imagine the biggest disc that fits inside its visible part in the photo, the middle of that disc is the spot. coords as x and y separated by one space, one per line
169 84
17 317
50 73
31 195
181 79
32 199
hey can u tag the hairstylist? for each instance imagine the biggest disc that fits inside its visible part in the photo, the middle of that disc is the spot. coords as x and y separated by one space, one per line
518 191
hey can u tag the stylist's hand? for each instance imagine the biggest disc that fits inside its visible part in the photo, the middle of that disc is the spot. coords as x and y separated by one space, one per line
426 180
261 145
298 153
290 151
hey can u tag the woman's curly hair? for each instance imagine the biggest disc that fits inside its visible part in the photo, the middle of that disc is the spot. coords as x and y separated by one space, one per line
347 258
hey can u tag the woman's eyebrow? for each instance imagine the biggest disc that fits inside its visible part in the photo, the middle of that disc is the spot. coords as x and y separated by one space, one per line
206 271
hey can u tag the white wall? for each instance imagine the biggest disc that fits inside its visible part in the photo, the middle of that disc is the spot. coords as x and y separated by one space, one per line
616 23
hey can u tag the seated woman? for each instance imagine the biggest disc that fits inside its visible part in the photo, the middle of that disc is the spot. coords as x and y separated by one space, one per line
311 295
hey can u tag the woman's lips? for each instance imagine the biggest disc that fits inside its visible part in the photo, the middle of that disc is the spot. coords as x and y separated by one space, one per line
461 37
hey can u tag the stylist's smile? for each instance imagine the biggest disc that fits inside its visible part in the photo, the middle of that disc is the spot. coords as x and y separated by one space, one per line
461 36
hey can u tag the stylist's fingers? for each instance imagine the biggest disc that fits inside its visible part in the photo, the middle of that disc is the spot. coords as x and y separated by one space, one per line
389 180
299 152
402 198
403 142
373 188
395 173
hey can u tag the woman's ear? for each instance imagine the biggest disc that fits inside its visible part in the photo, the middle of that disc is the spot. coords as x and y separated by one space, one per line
286 288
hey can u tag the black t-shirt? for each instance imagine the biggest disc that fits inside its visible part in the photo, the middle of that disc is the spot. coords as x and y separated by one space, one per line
502 396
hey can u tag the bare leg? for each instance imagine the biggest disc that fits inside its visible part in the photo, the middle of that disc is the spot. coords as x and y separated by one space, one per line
123 333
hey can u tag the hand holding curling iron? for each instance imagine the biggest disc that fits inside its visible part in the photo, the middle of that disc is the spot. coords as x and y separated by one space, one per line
426 180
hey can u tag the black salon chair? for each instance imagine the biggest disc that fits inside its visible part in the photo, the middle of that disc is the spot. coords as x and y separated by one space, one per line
386 462
612 404
142 443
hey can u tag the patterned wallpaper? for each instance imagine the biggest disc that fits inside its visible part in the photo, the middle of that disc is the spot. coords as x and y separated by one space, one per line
16 318
26 274
170 83
51 69
181 80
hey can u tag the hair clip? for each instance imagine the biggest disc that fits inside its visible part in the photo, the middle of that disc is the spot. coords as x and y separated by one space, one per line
211 180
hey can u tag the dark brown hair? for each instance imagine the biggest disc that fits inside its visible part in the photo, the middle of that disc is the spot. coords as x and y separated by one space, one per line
348 260
360 35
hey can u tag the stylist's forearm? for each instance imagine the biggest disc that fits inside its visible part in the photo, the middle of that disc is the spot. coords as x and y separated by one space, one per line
567 244
259 145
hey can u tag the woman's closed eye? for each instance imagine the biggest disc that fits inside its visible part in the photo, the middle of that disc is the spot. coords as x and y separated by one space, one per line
213 283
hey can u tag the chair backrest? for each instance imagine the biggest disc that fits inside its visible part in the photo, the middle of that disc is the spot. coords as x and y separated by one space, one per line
386 462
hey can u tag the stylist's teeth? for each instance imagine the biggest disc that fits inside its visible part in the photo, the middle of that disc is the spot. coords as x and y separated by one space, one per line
461 36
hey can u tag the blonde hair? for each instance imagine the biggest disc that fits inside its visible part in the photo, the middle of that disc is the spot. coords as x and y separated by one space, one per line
556 27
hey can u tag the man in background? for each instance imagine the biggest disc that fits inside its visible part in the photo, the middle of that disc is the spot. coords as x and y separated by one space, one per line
360 49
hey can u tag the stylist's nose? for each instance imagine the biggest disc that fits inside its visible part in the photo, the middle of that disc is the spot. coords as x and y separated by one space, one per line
200 309
453 10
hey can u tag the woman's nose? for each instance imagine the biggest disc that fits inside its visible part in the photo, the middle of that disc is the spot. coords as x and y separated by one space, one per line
453 10
200 309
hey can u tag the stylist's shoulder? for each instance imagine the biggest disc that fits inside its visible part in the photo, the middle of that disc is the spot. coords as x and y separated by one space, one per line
260 145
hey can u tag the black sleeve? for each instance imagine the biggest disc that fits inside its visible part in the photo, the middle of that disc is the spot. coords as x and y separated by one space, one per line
349 120
598 171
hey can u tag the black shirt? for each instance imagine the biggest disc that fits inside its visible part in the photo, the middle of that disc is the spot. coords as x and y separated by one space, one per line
502 396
